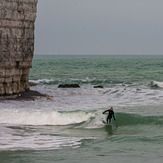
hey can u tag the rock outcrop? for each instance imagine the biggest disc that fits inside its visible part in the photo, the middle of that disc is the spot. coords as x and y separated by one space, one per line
69 86
98 86
17 19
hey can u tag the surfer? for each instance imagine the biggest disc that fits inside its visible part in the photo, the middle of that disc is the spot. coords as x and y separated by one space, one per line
110 115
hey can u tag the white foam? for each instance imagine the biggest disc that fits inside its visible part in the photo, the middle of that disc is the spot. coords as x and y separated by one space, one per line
159 84
41 81
30 117
28 138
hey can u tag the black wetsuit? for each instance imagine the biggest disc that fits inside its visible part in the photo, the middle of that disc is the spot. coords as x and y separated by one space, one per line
110 115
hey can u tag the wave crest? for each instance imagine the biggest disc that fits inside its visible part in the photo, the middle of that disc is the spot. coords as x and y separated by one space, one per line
41 81
156 84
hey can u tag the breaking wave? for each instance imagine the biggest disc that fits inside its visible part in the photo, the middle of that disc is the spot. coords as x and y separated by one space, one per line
86 80
41 81
86 119
156 84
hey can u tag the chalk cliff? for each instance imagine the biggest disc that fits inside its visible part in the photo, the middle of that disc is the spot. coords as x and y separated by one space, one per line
17 19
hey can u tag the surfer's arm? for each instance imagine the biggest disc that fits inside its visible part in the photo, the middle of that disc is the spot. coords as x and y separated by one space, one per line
105 111
114 117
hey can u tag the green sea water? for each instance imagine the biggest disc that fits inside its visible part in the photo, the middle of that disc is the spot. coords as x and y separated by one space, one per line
99 69
70 128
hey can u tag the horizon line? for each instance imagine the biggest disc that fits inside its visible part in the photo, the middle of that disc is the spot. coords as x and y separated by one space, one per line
97 54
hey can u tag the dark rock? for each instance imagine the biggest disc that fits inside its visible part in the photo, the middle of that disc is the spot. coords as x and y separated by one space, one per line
69 86
25 96
32 84
98 86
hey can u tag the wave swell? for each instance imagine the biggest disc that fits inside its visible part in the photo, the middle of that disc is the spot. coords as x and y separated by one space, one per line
134 119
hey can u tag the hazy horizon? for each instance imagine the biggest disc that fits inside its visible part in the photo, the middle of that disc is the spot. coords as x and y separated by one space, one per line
93 27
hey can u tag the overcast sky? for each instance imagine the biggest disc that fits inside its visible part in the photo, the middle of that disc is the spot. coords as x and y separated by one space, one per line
99 27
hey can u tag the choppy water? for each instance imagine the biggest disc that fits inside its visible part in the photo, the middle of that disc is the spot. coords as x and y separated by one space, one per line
70 129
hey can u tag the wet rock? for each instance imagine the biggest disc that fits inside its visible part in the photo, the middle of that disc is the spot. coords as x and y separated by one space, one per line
69 86
98 86
49 98
32 84
35 99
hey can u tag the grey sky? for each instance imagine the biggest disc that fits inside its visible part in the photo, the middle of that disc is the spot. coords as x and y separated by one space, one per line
99 27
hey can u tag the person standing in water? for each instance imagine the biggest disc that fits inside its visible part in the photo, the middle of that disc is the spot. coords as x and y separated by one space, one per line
110 115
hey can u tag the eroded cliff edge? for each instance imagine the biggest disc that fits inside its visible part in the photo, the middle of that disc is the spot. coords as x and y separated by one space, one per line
17 19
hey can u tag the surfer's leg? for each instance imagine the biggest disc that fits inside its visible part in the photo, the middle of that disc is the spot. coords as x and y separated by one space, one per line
109 121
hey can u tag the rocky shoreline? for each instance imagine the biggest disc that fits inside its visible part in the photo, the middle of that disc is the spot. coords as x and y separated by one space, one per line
25 96
35 95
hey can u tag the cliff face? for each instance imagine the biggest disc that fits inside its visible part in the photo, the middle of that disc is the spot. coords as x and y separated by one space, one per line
17 19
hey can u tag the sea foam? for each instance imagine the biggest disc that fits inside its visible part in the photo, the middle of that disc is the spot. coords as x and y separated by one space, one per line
22 117
157 84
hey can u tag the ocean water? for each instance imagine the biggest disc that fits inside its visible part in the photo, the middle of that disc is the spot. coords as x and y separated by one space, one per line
70 129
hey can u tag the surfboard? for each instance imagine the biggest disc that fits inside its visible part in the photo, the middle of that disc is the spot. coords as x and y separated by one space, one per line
107 127
105 123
